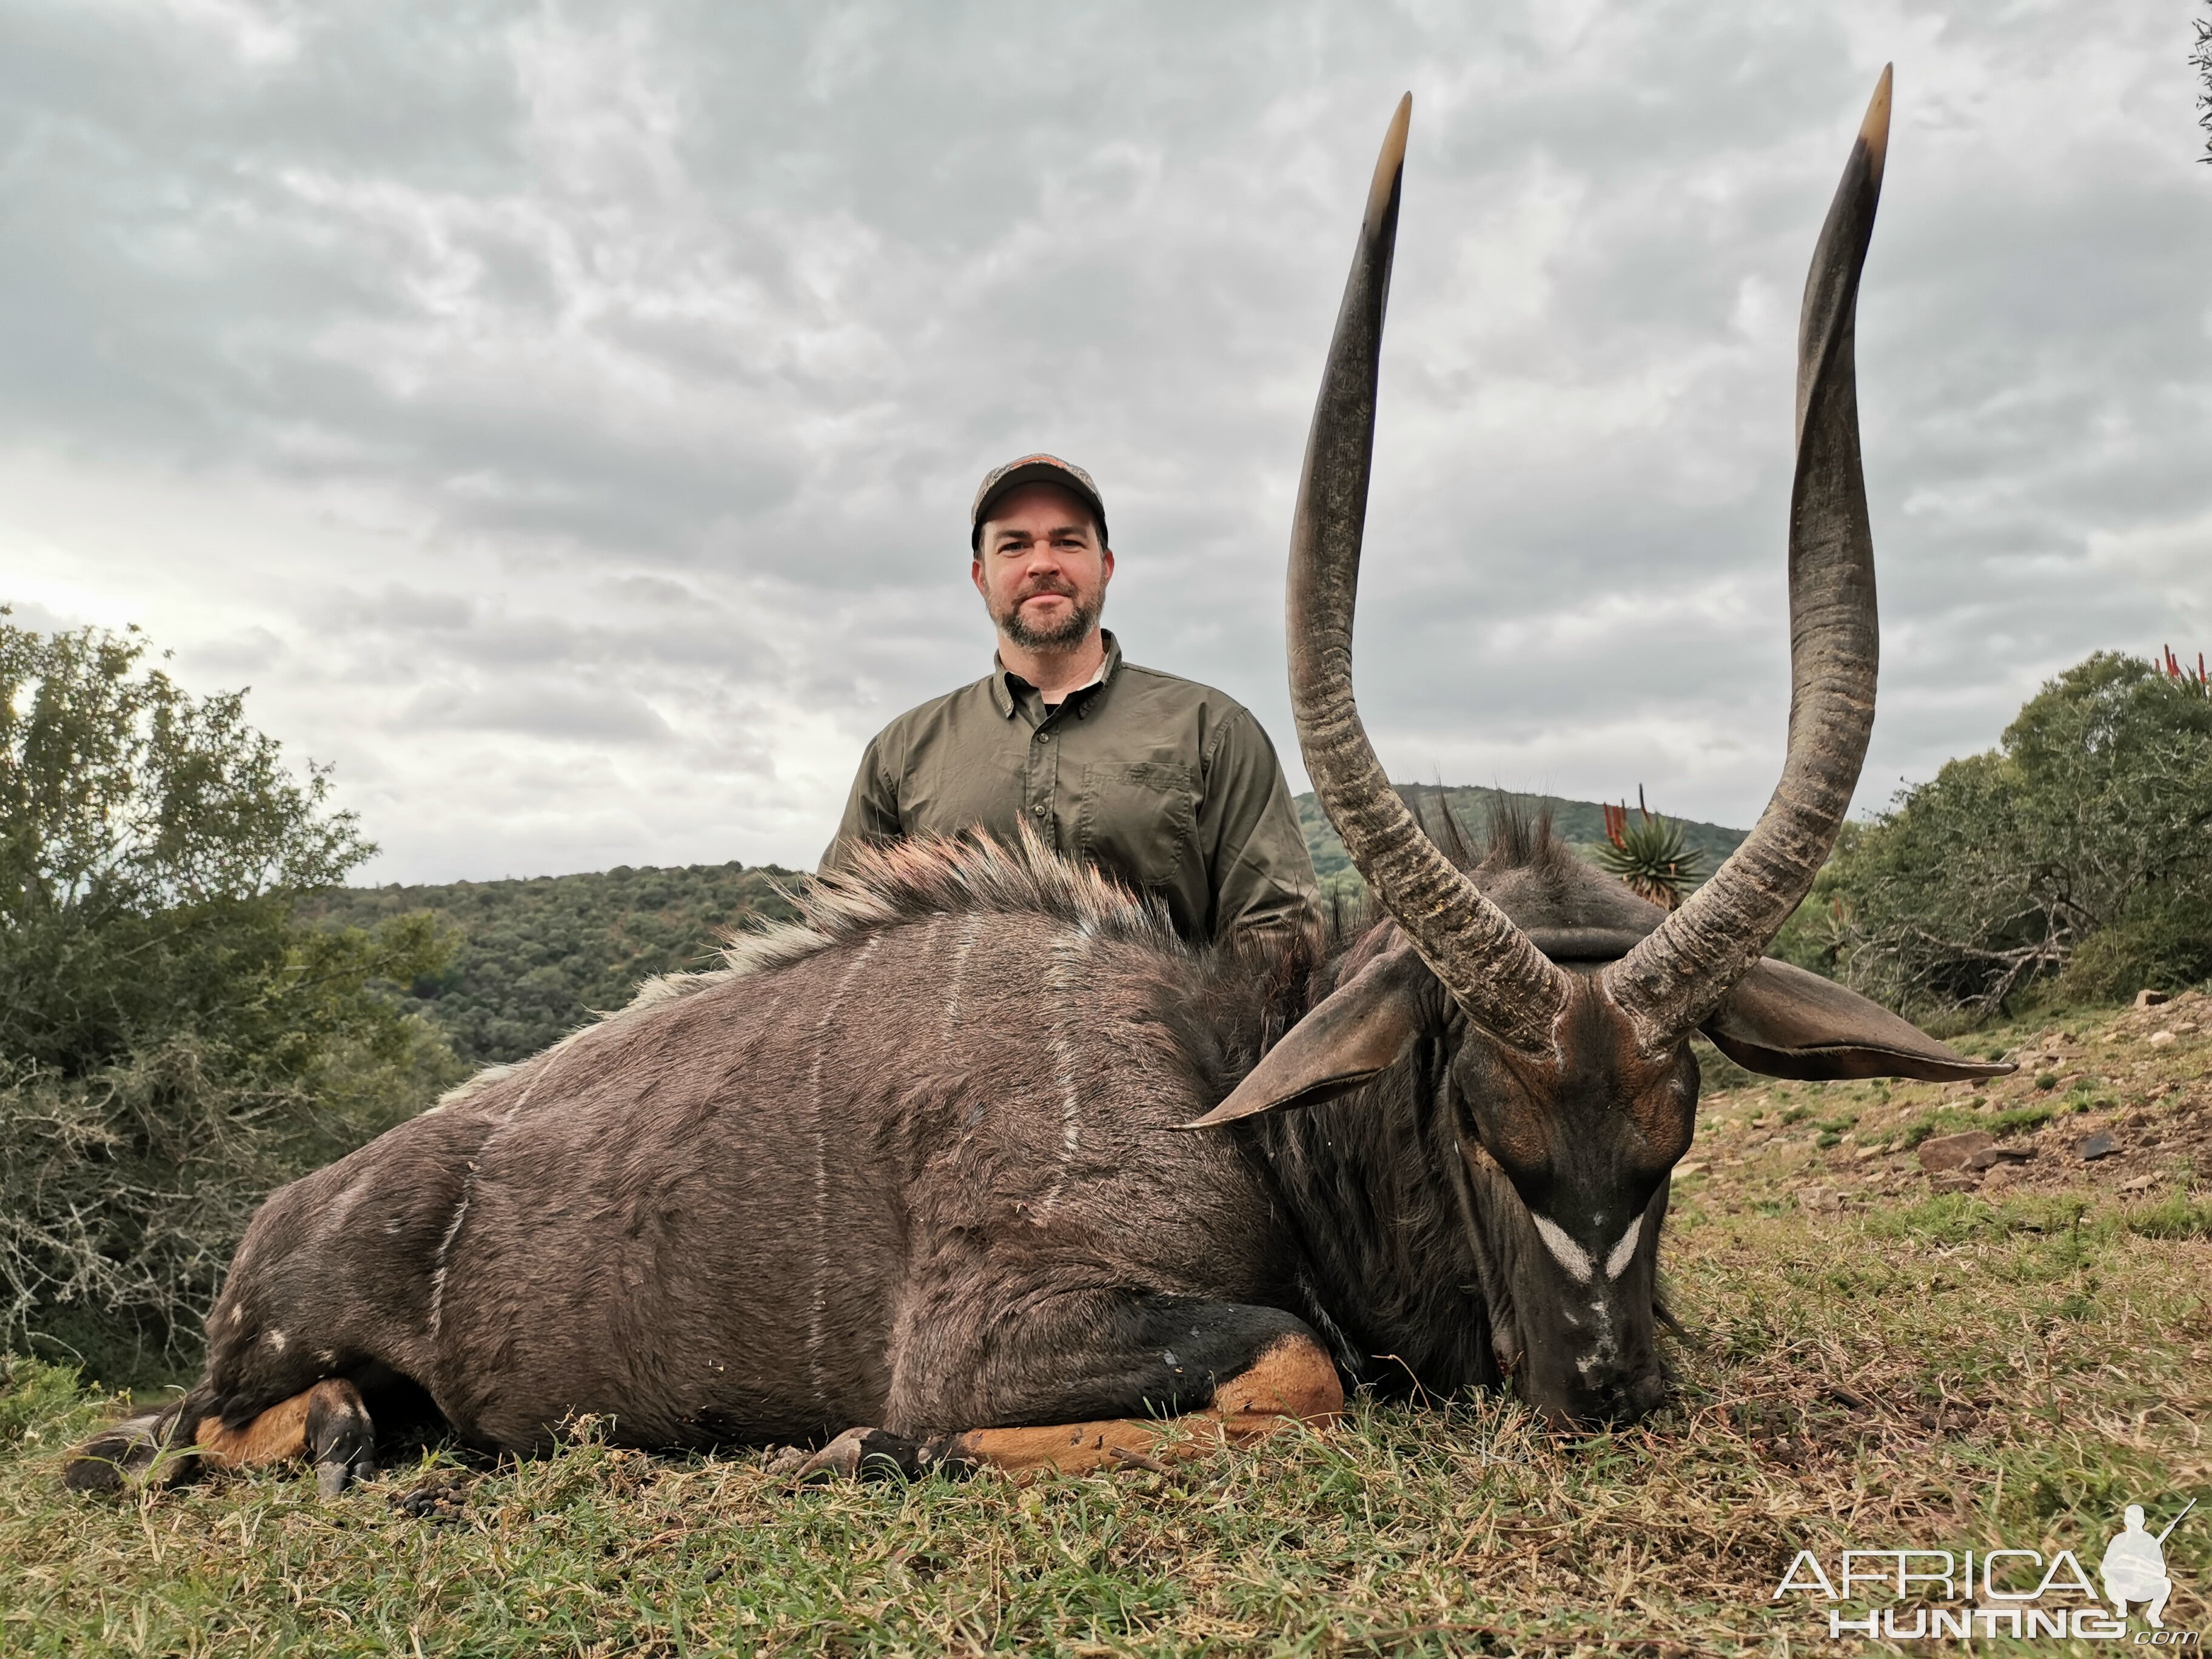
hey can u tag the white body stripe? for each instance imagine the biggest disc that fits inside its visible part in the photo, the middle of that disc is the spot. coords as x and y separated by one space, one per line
969 929
445 1245
819 1305
1064 985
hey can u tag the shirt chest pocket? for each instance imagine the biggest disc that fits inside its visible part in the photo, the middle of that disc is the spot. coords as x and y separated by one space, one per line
1139 820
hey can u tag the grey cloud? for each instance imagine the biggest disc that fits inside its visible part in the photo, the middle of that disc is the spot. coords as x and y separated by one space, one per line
573 713
664 349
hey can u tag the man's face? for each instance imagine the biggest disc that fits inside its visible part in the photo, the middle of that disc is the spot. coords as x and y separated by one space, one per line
1041 569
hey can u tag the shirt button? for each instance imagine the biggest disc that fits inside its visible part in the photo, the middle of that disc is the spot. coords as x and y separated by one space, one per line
1038 809
1044 737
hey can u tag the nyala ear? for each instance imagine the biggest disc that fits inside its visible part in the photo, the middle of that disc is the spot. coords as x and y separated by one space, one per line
1362 1027
1784 1022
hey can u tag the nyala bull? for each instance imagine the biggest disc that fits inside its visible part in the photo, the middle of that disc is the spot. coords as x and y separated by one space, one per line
980 1163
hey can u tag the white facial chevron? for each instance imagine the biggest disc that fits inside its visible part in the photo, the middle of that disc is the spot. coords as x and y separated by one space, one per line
1617 1262
1576 1260
1571 1255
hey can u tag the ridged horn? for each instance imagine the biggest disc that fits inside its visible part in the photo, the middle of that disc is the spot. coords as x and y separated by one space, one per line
1670 982
1502 982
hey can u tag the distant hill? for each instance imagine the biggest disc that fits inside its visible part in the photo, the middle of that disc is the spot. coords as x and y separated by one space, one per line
537 959
1580 824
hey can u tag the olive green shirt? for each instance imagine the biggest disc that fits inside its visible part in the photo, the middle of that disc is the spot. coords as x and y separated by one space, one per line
1163 782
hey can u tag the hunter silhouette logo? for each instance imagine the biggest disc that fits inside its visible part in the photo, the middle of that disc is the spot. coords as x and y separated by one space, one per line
1927 1588
2135 1566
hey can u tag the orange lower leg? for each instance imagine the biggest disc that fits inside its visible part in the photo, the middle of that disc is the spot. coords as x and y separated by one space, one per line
1293 1379
278 1433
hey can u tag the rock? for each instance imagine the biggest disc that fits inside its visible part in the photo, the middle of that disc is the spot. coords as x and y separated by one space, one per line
1955 1181
1822 1197
2160 1039
2099 1144
1946 1152
1989 1157
2151 999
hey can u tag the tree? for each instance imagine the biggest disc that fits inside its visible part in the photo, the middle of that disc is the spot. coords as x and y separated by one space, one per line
173 1045
2082 845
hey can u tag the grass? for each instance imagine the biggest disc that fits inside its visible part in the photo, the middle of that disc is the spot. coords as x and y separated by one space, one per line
1951 1120
1866 1362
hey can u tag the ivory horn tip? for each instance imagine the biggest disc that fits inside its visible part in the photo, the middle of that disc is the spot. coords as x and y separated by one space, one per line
1389 165
1874 131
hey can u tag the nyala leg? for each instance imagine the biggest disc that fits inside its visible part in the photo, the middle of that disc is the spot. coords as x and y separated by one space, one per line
147 1449
1294 1379
1229 1373
328 1424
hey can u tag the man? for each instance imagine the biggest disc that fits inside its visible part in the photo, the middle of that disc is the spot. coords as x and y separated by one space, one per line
1166 785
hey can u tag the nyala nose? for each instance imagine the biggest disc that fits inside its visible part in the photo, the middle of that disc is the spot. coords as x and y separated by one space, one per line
1633 1397
1622 1399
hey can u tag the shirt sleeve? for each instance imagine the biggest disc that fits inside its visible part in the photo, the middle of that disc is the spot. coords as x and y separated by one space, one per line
1261 874
872 811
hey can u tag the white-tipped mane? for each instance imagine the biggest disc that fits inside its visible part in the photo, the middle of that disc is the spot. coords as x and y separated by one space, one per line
880 886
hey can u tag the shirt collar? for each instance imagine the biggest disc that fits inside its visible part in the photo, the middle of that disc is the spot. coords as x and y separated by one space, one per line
1003 679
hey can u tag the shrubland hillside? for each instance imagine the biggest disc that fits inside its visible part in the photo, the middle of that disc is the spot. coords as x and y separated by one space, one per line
1580 824
1871 1355
534 959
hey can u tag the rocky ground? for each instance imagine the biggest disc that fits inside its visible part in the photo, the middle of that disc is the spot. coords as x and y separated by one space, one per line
2105 1103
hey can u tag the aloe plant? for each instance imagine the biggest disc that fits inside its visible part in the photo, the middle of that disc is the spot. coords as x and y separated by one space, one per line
2182 674
1650 854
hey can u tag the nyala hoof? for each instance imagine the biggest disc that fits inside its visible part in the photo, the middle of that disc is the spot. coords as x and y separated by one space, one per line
133 1453
786 1460
331 1480
862 1453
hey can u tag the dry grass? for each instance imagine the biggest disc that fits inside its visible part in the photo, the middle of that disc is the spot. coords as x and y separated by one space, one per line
1868 1362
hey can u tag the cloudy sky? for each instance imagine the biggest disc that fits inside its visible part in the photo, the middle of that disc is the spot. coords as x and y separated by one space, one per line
563 417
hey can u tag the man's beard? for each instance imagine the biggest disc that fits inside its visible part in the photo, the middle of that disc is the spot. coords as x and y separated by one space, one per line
1071 630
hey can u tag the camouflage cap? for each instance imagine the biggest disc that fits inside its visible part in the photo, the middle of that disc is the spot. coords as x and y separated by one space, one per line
1029 470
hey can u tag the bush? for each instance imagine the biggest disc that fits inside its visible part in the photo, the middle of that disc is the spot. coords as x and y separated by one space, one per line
173 1045
2076 851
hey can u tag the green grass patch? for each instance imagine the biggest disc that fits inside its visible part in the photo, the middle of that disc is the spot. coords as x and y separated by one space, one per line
1954 1119
2020 1117
2173 1217
1943 1120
